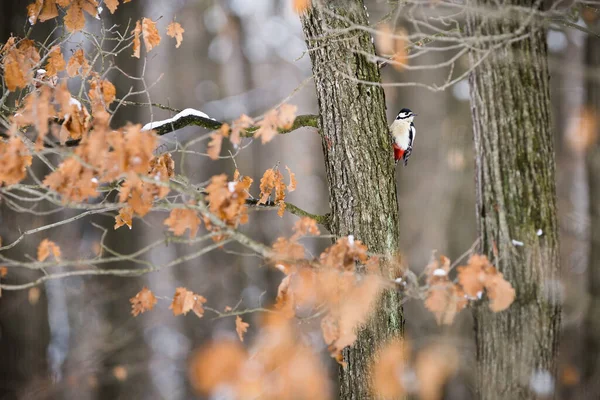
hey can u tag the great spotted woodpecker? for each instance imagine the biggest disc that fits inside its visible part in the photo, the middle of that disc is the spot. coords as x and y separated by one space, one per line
403 135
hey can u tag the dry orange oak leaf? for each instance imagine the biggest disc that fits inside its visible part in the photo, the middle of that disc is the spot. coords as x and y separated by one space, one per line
241 327
46 248
19 62
175 30
182 219
143 301
125 217
56 62
185 301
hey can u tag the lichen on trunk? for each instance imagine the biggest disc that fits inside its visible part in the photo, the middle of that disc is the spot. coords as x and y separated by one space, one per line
516 205
358 161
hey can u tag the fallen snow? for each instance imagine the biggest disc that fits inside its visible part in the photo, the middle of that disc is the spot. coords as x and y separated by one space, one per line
184 113
517 243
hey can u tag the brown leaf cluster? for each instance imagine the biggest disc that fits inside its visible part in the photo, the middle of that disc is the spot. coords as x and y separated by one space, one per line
74 20
109 155
143 301
289 252
227 200
344 254
480 274
282 118
47 247
271 180
280 365
52 102
397 372
334 286
446 298
185 301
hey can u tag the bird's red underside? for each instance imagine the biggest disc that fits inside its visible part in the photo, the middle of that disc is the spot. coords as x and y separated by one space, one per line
398 152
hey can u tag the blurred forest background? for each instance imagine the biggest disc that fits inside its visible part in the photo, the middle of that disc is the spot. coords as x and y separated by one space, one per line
75 338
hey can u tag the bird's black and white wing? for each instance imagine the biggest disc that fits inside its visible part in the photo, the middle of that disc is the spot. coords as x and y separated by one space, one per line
411 140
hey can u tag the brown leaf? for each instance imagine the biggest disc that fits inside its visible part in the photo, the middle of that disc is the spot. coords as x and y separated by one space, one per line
102 91
181 219
19 62
74 19
267 127
150 34
42 10
292 186
500 292
45 248
78 63
185 301
287 116
241 124
445 300
124 218
136 39
214 146
143 301
15 159
56 62
3 271
176 31
241 327
306 226
112 5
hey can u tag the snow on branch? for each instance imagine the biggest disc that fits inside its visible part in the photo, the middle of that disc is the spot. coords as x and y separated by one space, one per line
187 117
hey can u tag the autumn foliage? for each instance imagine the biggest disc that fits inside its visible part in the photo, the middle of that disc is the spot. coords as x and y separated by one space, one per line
337 289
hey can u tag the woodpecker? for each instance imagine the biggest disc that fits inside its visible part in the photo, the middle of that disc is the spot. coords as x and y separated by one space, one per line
403 133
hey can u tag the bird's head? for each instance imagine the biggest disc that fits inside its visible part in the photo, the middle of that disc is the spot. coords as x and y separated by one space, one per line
405 115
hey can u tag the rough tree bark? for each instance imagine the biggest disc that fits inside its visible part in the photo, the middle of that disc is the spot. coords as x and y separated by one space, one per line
592 331
358 161
515 183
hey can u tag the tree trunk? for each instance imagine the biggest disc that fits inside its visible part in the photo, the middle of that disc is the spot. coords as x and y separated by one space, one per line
592 343
516 202
358 161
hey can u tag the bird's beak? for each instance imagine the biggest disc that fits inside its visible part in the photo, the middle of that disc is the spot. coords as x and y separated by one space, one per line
414 115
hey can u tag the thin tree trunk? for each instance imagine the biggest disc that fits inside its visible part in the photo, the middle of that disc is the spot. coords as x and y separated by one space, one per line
358 162
516 202
592 332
